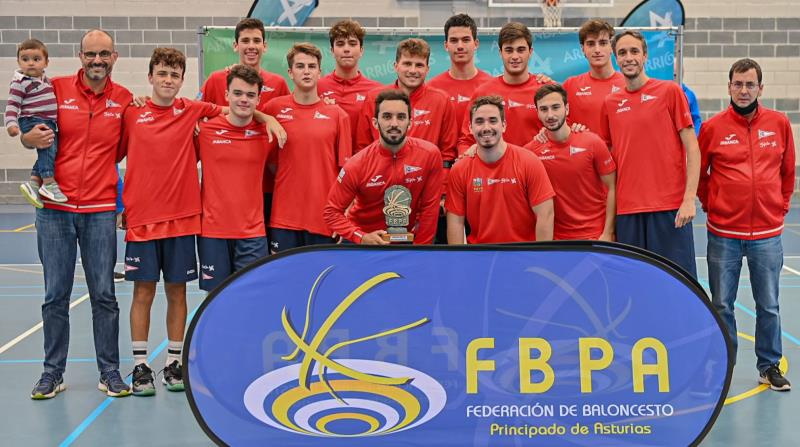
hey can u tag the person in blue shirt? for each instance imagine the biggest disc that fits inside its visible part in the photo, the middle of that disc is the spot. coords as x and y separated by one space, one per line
693 108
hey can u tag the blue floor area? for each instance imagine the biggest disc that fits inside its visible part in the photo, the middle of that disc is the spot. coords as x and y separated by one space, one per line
85 416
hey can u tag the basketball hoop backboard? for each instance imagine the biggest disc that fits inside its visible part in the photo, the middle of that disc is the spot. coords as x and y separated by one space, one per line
563 3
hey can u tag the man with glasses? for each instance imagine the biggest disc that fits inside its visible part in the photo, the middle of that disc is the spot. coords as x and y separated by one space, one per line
746 184
90 110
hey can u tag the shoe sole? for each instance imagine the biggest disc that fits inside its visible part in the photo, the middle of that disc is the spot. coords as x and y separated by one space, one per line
46 194
102 387
145 393
40 396
174 388
764 381
29 196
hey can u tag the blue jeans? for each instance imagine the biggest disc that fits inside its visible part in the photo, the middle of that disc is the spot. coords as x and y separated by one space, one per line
764 260
59 233
45 158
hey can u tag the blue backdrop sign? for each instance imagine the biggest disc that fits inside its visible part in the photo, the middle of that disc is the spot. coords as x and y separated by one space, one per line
571 345
282 12
656 13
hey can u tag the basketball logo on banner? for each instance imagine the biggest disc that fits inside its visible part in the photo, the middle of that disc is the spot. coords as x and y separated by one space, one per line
345 397
564 344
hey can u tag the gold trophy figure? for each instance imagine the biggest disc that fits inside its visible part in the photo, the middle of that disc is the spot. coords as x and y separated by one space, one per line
397 208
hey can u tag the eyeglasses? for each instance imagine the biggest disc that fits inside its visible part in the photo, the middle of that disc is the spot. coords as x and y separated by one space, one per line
748 85
90 55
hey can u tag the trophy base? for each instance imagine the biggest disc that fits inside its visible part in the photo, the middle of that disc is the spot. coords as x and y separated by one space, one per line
398 238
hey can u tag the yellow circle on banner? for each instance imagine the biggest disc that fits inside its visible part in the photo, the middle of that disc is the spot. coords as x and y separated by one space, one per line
784 366
324 421
284 402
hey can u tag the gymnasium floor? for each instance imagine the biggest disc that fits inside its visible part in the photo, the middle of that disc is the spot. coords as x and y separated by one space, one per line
82 415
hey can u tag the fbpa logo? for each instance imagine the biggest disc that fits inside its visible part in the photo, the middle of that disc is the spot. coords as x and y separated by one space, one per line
342 397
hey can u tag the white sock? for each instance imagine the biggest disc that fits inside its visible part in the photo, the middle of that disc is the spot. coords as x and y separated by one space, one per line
139 352
174 350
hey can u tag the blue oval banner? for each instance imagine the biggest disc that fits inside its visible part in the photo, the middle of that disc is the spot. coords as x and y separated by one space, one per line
545 344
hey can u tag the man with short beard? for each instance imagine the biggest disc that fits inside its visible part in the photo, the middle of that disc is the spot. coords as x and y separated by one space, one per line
433 118
648 127
394 159
502 190
746 185
580 169
90 110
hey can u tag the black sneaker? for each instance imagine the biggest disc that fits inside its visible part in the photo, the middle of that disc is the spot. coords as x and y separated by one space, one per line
48 386
773 377
111 383
143 381
173 376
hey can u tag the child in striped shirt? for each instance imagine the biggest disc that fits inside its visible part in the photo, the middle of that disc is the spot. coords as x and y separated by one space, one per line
32 102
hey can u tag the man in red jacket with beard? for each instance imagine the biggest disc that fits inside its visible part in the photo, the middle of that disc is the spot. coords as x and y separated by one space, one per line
394 159
746 184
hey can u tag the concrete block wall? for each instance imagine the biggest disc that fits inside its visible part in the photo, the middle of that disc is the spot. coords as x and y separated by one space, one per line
717 33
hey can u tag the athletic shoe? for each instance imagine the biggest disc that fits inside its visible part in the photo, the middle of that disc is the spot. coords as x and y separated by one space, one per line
111 383
48 386
773 377
173 376
51 191
30 191
143 381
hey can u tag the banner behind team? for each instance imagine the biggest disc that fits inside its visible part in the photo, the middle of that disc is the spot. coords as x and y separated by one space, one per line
557 55
572 345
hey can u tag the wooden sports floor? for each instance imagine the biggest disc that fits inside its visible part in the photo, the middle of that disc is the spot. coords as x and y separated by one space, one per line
753 416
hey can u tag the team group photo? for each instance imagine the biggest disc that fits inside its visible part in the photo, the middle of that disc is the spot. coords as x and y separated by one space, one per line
375 146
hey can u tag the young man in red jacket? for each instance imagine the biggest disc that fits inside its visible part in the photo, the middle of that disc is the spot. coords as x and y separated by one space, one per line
463 77
433 118
90 110
746 184
516 86
587 91
394 159
346 84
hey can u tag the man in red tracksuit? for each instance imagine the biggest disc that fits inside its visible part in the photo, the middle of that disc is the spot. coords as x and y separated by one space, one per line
90 110
433 117
516 86
463 77
346 84
746 184
394 159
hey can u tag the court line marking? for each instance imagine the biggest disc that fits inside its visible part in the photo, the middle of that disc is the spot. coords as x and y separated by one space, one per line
70 360
23 228
38 326
35 272
107 402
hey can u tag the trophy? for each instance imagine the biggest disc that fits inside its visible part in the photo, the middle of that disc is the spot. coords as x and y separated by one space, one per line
396 209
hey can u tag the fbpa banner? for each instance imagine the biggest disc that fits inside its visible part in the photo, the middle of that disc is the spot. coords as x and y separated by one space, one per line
570 345
557 55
